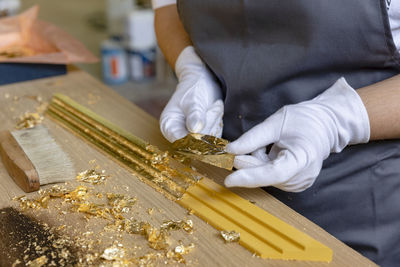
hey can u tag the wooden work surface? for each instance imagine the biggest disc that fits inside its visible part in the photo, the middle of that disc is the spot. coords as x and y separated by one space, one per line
210 250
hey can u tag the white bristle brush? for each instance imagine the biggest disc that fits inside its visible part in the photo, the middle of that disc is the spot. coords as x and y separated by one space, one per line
33 158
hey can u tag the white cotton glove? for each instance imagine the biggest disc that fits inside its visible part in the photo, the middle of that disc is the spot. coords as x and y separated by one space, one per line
196 105
303 135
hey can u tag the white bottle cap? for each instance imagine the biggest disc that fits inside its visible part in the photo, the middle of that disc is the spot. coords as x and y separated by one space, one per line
140 30
116 12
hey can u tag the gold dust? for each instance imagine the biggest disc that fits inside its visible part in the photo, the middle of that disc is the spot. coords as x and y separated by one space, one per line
93 99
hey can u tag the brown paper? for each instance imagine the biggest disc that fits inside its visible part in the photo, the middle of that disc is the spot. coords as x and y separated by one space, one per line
25 39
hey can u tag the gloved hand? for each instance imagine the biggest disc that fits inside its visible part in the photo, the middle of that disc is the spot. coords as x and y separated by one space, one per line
196 105
303 135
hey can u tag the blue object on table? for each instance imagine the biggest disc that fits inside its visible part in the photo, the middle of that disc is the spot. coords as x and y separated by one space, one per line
18 72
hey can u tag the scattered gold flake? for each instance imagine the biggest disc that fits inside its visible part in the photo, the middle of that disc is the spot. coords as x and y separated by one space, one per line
26 203
38 262
16 262
123 225
56 191
92 177
231 236
150 211
120 203
93 209
113 207
190 212
78 194
181 249
158 240
148 259
29 120
137 227
176 225
6 95
61 227
115 252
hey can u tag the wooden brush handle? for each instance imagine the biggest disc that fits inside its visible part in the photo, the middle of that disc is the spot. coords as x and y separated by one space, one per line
17 163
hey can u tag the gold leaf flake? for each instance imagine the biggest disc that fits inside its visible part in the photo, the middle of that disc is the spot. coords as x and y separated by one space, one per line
115 252
176 225
38 262
78 194
29 120
92 177
230 236
181 249
150 211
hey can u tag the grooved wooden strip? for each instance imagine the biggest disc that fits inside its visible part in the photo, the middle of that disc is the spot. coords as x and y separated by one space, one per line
139 148
108 152
113 152
95 117
261 232
121 137
103 139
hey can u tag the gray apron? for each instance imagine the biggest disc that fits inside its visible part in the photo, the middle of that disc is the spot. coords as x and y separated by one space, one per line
267 54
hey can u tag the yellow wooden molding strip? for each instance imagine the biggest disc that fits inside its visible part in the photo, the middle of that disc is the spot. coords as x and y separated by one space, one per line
260 232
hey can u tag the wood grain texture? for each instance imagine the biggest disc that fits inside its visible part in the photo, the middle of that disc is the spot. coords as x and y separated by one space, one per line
210 250
17 163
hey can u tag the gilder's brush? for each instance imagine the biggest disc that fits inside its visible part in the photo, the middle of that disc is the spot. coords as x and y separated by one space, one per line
33 158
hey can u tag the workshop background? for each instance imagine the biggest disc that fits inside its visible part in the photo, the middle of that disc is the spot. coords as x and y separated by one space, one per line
121 34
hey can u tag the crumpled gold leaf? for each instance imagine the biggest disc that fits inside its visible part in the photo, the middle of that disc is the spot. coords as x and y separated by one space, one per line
230 236
92 177
200 144
78 194
206 148
176 225
29 120
158 239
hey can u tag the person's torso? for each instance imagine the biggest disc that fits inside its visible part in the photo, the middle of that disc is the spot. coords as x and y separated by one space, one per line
267 54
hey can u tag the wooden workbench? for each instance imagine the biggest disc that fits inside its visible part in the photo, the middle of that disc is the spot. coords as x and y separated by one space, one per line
19 98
